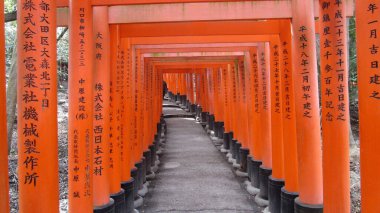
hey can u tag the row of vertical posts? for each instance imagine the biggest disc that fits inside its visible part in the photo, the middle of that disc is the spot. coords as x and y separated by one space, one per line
271 116
291 153
115 124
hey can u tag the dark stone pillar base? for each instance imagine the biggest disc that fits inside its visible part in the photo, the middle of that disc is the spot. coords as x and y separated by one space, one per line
287 201
108 208
119 199
244 152
237 150
274 194
226 141
211 123
305 208
129 197
264 174
153 155
255 182
148 162
233 148
249 167
221 130
135 176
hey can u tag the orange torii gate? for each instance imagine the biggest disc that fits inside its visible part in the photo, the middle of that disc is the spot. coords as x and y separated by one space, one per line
37 102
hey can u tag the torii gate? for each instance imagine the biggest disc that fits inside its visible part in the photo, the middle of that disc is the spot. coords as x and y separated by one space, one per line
37 94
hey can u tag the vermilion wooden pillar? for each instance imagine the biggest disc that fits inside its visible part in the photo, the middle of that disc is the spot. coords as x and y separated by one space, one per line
115 142
335 106
101 123
265 118
250 100
290 190
276 180
4 182
127 114
81 107
257 96
307 108
37 108
368 26
226 104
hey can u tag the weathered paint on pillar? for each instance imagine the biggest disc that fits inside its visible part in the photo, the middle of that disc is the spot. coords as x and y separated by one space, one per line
288 110
265 107
101 122
276 110
4 181
307 104
81 107
335 106
368 41
37 107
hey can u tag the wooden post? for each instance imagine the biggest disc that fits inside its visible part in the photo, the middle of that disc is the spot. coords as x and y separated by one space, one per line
368 26
4 180
37 108
101 122
81 107
276 180
127 114
307 108
257 96
265 118
116 80
290 190
335 106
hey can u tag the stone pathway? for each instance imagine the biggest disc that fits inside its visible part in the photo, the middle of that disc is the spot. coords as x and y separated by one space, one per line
193 175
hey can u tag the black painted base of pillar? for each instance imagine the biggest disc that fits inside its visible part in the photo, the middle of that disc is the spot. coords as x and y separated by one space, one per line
249 167
204 117
139 181
264 174
183 101
226 141
108 208
153 154
119 199
300 207
255 182
129 197
274 194
211 123
143 171
244 152
233 148
238 156
199 112
148 162
135 176
193 108
216 129
221 130
287 201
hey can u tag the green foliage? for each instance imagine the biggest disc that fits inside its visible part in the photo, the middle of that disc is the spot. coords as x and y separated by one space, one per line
353 74
9 5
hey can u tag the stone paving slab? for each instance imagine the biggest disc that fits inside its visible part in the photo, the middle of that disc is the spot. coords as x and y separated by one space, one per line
194 176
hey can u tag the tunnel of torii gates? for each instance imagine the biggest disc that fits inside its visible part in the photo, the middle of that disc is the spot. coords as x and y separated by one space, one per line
248 68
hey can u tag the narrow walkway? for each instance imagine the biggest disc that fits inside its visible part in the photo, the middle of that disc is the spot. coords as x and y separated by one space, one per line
194 176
